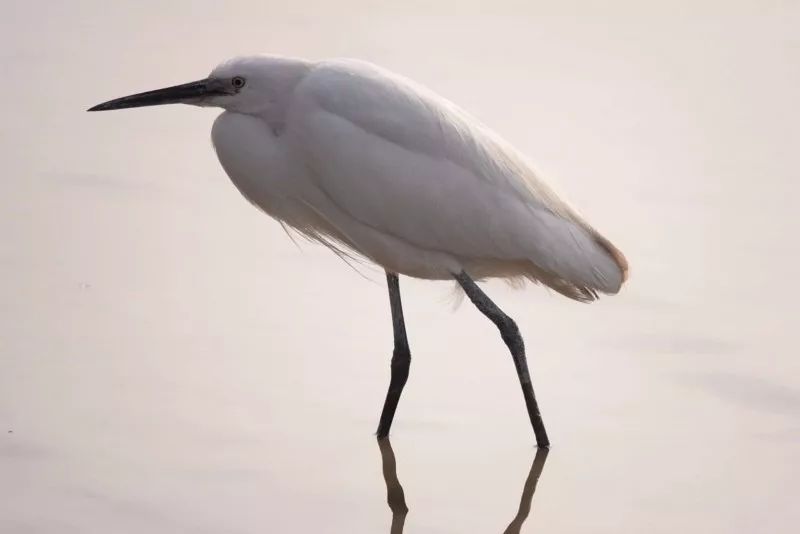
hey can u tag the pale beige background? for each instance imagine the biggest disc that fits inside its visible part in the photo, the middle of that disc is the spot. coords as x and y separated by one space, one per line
171 363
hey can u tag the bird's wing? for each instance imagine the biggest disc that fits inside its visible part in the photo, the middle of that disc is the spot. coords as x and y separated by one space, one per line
405 162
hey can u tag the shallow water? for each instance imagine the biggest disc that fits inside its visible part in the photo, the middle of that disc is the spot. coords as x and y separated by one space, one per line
171 362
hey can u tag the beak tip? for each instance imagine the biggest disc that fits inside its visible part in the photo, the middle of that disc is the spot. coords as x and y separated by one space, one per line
178 94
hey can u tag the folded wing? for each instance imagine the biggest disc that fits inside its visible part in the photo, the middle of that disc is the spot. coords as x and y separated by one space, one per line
402 161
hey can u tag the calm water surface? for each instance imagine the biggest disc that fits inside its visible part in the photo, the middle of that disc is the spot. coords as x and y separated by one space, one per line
171 363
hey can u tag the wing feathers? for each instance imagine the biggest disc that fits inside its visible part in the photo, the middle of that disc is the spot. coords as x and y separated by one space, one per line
406 163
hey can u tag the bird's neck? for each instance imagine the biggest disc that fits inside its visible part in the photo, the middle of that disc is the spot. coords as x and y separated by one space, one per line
281 82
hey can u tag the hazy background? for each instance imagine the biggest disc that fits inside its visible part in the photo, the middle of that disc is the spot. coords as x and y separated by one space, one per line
171 363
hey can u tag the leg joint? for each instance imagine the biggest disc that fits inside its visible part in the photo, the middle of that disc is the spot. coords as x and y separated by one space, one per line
507 324
401 357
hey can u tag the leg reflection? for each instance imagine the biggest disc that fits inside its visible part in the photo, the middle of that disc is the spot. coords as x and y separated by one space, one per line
527 492
396 499
394 491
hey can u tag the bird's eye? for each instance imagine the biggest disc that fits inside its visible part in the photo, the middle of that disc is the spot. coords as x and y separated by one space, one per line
237 82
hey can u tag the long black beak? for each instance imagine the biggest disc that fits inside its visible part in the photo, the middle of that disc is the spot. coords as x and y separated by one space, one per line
177 94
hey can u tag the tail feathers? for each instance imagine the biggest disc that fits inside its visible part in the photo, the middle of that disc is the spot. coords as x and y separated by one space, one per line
569 289
616 255
583 291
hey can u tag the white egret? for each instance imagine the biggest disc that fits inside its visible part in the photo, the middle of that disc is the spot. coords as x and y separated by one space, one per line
369 163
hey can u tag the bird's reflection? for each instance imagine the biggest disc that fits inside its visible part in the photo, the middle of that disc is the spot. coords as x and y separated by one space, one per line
394 491
396 498
527 492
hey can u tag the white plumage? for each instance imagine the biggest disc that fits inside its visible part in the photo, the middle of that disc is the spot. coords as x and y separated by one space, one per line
359 158
369 163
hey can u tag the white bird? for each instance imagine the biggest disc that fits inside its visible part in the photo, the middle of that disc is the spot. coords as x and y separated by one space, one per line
371 164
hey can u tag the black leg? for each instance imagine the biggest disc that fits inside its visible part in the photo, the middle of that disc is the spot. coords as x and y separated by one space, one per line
510 334
401 358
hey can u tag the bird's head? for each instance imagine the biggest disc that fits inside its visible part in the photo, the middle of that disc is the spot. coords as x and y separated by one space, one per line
247 84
